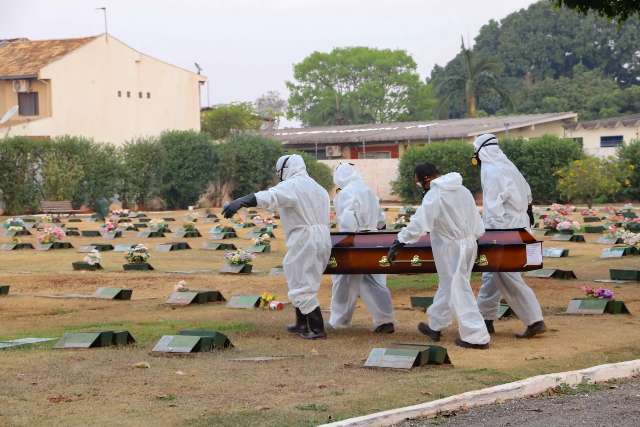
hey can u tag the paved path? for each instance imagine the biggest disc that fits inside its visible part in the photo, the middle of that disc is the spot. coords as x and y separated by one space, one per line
617 405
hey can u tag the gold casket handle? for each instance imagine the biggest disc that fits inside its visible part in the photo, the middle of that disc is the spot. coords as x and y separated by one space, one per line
415 261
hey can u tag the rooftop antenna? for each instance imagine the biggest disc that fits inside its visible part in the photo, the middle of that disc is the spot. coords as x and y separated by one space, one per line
199 68
106 28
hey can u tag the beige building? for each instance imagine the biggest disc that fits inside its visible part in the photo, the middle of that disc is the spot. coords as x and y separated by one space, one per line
96 87
603 137
376 148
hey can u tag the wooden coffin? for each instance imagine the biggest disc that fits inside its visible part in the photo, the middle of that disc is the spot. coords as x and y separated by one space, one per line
365 253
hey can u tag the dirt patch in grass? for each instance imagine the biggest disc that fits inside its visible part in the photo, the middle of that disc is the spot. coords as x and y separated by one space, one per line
324 382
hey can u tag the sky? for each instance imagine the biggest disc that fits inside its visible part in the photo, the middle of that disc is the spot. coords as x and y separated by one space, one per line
249 47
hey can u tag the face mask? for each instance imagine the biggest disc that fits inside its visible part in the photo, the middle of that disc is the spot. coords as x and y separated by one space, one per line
475 160
284 165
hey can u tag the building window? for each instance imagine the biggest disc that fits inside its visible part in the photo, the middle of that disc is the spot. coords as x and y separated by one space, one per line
374 155
148 95
128 94
28 103
140 95
579 141
611 141
119 94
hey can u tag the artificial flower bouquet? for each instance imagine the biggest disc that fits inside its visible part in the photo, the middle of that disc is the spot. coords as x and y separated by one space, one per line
189 226
263 240
93 258
139 254
14 224
50 235
597 293
568 226
239 257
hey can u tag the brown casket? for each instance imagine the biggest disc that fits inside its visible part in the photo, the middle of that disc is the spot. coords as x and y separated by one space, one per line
498 250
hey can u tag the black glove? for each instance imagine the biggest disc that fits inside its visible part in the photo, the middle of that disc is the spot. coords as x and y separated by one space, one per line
243 202
393 250
532 220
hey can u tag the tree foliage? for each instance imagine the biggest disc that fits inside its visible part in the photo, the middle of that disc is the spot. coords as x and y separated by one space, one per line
354 85
629 155
590 178
271 107
619 10
319 171
143 164
225 120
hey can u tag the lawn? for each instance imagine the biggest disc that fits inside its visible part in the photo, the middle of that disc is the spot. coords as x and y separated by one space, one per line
320 381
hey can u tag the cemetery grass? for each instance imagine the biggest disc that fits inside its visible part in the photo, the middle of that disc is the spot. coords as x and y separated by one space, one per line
323 381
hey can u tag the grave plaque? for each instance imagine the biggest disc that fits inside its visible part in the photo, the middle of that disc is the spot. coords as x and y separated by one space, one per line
244 301
406 356
257 249
421 303
547 273
150 234
555 252
168 219
113 293
276 271
85 249
177 344
110 235
22 342
94 339
593 229
596 306
172 246
624 274
75 220
4 289
72 233
236 269
144 220
140 225
90 233
15 246
102 247
629 214
609 240
590 219
504 311
122 248
186 298
561 237
217 339
214 246
81 265
616 252
143 266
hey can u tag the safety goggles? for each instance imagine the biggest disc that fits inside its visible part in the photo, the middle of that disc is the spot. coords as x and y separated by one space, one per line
475 159
284 165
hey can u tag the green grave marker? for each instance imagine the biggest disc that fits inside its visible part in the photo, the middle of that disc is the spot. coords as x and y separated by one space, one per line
195 297
276 271
596 306
23 342
618 251
421 303
90 233
548 273
122 248
236 269
407 356
590 219
187 234
624 274
145 266
244 301
561 237
505 311
218 340
94 339
178 344
102 247
216 246
4 289
150 234
172 246
110 235
257 249
593 228
81 265
609 240
139 225
168 219
555 252
113 293
15 246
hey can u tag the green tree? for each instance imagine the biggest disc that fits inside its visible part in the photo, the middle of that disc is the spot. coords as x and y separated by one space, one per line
225 120
591 178
190 162
353 85
20 158
629 155
619 10
448 156
144 161
479 77
319 171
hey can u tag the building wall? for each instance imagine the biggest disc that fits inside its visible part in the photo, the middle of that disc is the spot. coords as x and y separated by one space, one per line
9 98
591 138
378 174
84 95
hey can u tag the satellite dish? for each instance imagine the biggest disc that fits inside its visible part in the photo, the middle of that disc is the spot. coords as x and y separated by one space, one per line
9 114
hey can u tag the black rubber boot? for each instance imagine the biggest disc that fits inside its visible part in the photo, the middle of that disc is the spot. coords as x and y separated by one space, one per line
533 329
465 344
490 328
301 326
426 330
316 326
385 328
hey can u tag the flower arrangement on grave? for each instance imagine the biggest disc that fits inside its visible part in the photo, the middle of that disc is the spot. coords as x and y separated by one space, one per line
120 212
181 286
93 257
50 235
614 232
568 225
239 257
589 212
13 224
401 219
139 254
264 240
189 226
159 225
109 226
627 207
257 220
598 293
611 210
630 223
266 298
631 239
48 218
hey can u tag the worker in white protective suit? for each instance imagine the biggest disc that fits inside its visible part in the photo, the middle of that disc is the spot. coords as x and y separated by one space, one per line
304 215
506 200
358 209
449 213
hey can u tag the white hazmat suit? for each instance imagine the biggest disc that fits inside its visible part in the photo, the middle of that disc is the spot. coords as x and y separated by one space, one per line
505 199
449 213
358 209
304 215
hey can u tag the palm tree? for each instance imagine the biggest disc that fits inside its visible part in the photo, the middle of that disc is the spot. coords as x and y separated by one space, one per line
479 78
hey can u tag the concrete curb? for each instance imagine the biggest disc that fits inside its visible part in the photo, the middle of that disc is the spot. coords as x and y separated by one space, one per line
515 390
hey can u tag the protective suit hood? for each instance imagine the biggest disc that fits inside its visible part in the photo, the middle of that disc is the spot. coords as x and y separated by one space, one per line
344 174
449 182
293 166
491 154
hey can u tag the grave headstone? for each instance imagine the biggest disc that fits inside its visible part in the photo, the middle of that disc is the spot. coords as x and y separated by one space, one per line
150 234
113 293
236 269
187 234
421 303
244 301
90 233
555 252
122 248
548 273
94 339
15 246
609 240
504 311
56 245
257 249
139 225
561 237
195 297
102 247
618 252
81 265
23 342
4 289
218 340
624 274
183 344
593 229
72 233
168 219
172 246
590 219
407 356
144 266
215 246
596 306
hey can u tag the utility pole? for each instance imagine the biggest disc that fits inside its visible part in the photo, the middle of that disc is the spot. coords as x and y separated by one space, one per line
106 28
